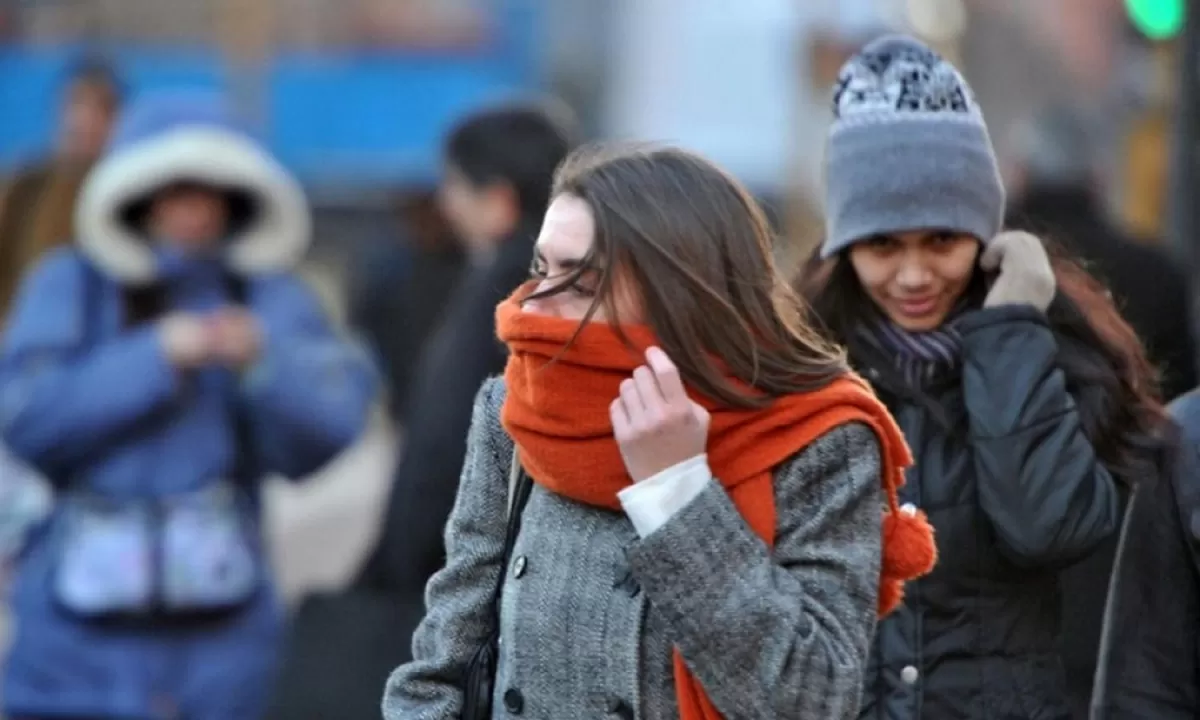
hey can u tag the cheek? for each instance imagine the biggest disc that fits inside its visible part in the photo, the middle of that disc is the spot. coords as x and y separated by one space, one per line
451 204
873 272
455 204
628 308
215 213
957 268
167 218
627 301
580 307
563 305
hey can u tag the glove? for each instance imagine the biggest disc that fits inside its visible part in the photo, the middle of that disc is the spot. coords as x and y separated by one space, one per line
1026 277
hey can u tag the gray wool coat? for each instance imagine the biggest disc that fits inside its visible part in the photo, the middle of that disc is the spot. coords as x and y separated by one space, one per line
590 612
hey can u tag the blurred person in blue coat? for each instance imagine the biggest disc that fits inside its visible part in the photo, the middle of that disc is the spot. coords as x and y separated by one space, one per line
156 372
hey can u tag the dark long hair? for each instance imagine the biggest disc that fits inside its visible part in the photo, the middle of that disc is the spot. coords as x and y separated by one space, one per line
698 250
1114 385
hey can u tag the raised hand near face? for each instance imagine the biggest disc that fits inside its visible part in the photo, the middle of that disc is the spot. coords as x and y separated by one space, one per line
655 423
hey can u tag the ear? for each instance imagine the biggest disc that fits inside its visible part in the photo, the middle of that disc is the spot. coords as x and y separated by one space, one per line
503 207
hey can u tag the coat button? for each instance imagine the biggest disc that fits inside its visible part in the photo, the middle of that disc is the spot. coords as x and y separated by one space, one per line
620 708
628 583
908 509
519 566
633 587
910 675
514 701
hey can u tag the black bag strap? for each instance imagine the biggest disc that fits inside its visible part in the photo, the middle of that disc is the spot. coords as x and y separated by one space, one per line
520 485
1100 684
247 467
514 479
89 311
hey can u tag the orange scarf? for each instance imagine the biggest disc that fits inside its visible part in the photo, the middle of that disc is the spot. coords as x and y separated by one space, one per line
557 413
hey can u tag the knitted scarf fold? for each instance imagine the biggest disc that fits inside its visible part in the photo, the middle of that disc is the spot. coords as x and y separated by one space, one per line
920 357
556 411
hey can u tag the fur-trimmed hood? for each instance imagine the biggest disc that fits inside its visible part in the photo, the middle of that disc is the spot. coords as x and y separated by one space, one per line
167 139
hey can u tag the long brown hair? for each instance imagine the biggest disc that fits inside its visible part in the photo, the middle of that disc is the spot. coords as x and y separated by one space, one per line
698 250
1107 373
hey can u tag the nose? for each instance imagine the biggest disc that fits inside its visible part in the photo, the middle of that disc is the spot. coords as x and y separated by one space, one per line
547 305
913 273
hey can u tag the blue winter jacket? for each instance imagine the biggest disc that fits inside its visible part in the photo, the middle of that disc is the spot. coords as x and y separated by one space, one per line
93 403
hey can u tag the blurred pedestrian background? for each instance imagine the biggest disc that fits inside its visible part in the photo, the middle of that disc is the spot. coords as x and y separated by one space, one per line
364 103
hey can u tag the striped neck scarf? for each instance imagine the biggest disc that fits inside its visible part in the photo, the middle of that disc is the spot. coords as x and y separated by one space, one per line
920 358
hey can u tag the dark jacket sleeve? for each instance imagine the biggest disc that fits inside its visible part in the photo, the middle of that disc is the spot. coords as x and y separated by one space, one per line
1148 665
1040 483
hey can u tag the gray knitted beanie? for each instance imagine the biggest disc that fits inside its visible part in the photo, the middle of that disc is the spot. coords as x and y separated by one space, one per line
908 149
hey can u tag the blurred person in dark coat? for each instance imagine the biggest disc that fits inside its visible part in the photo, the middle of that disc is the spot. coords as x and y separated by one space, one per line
400 286
36 203
1061 196
498 169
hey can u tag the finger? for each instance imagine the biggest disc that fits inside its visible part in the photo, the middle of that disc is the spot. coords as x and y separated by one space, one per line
647 388
993 254
632 399
244 317
667 375
620 418
221 314
232 317
235 321
222 325
214 330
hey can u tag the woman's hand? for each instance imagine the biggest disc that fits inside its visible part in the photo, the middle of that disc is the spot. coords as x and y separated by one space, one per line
655 423
186 340
1026 277
238 337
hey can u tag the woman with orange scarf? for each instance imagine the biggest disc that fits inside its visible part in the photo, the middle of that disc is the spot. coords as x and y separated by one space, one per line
703 537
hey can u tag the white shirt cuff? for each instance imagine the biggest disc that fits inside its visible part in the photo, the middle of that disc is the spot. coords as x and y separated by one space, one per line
652 502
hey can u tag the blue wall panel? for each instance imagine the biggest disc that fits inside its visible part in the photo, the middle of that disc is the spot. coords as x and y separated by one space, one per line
359 118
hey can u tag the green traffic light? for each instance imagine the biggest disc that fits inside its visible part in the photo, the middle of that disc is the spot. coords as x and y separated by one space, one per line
1157 19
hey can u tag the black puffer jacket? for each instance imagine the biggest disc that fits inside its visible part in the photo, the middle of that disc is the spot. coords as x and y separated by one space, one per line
1015 493
1151 665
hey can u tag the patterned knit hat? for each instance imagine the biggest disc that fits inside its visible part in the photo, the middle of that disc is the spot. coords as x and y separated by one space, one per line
908 149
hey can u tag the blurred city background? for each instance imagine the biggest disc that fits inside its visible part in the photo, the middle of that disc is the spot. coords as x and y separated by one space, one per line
355 97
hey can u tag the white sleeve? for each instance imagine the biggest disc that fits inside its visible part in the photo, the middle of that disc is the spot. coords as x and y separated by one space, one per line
652 502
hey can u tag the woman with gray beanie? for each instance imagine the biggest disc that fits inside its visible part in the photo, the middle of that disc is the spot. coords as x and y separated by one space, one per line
1027 401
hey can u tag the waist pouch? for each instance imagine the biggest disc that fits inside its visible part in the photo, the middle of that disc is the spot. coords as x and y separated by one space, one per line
196 554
